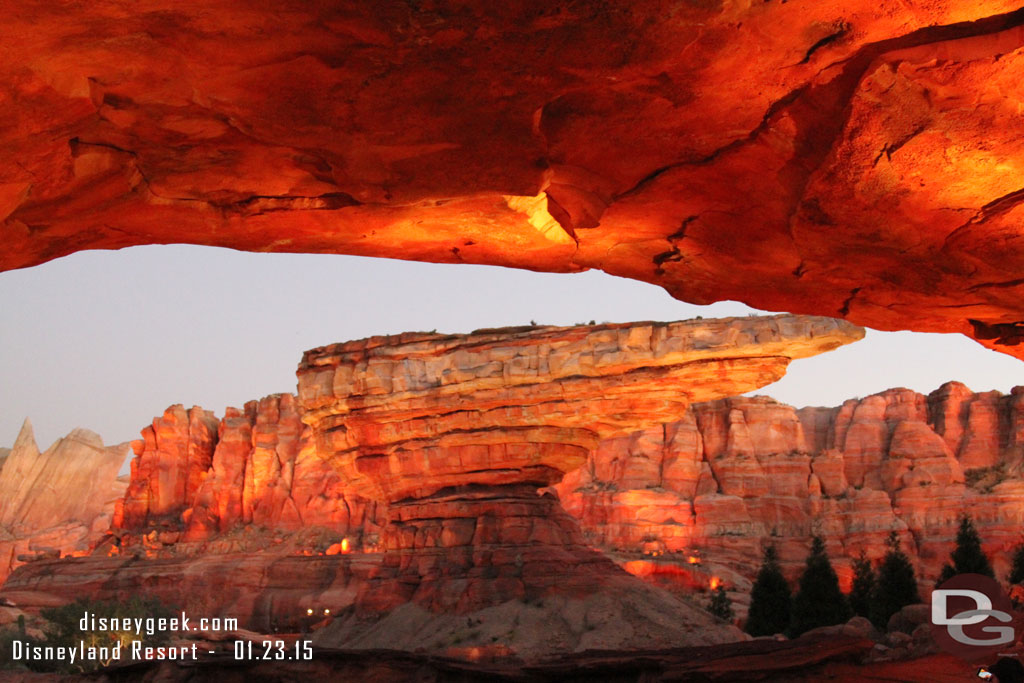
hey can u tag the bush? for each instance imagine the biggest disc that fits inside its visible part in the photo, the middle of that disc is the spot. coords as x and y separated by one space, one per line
769 599
7 637
1017 567
818 602
967 557
721 605
864 581
63 630
896 586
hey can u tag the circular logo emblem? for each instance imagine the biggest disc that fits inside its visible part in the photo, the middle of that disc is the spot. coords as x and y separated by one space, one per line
973 618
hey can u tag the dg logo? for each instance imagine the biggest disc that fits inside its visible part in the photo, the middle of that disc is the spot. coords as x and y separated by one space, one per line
973 618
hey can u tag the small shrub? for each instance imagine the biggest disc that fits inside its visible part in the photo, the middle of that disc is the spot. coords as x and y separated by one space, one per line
896 585
819 602
864 581
721 605
1017 566
769 598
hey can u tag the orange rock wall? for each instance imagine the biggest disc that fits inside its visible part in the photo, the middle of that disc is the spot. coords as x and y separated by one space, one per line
737 472
195 477
718 482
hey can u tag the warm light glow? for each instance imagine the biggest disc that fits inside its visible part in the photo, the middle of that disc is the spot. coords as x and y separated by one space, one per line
327 611
693 559
309 611
344 546
715 582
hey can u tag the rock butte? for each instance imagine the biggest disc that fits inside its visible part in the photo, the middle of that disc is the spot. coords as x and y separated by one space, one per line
457 432
878 145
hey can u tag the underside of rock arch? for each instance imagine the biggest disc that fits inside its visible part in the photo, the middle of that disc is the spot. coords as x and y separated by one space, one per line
851 159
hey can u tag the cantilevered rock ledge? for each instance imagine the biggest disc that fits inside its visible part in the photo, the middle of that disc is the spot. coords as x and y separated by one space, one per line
457 433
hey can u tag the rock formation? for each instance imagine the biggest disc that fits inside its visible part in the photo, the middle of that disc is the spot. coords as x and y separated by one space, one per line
58 502
735 473
678 504
457 432
876 143
195 477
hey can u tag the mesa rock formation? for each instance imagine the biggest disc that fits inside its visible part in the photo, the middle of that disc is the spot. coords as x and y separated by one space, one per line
457 432
58 502
878 144
734 474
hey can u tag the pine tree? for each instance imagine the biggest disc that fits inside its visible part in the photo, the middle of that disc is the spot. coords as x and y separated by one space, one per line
818 602
896 586
1017 568
864 581
769 598
721 605
967 557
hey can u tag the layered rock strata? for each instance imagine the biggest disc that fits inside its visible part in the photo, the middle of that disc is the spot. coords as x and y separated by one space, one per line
877 144
457 433
734 474
196 477
58 502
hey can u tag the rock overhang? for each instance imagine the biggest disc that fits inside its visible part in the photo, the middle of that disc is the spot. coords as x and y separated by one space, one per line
854 160
410 414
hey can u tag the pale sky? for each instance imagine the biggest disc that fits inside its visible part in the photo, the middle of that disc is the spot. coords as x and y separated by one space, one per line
107 340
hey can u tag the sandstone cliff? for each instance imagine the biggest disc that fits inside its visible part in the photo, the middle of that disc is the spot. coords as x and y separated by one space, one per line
733 474
59 502
195 478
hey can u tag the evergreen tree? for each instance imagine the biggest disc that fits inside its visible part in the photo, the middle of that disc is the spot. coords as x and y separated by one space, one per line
896 585
1017 568
967 557
769 598
818 602
864 581
721 605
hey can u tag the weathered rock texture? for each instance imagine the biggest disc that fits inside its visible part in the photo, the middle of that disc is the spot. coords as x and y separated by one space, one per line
877 144
195 478
457 432
733 474
58 502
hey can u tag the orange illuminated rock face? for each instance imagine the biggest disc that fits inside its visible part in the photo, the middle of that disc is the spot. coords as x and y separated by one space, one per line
877 145
195 477
736 473
457 432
